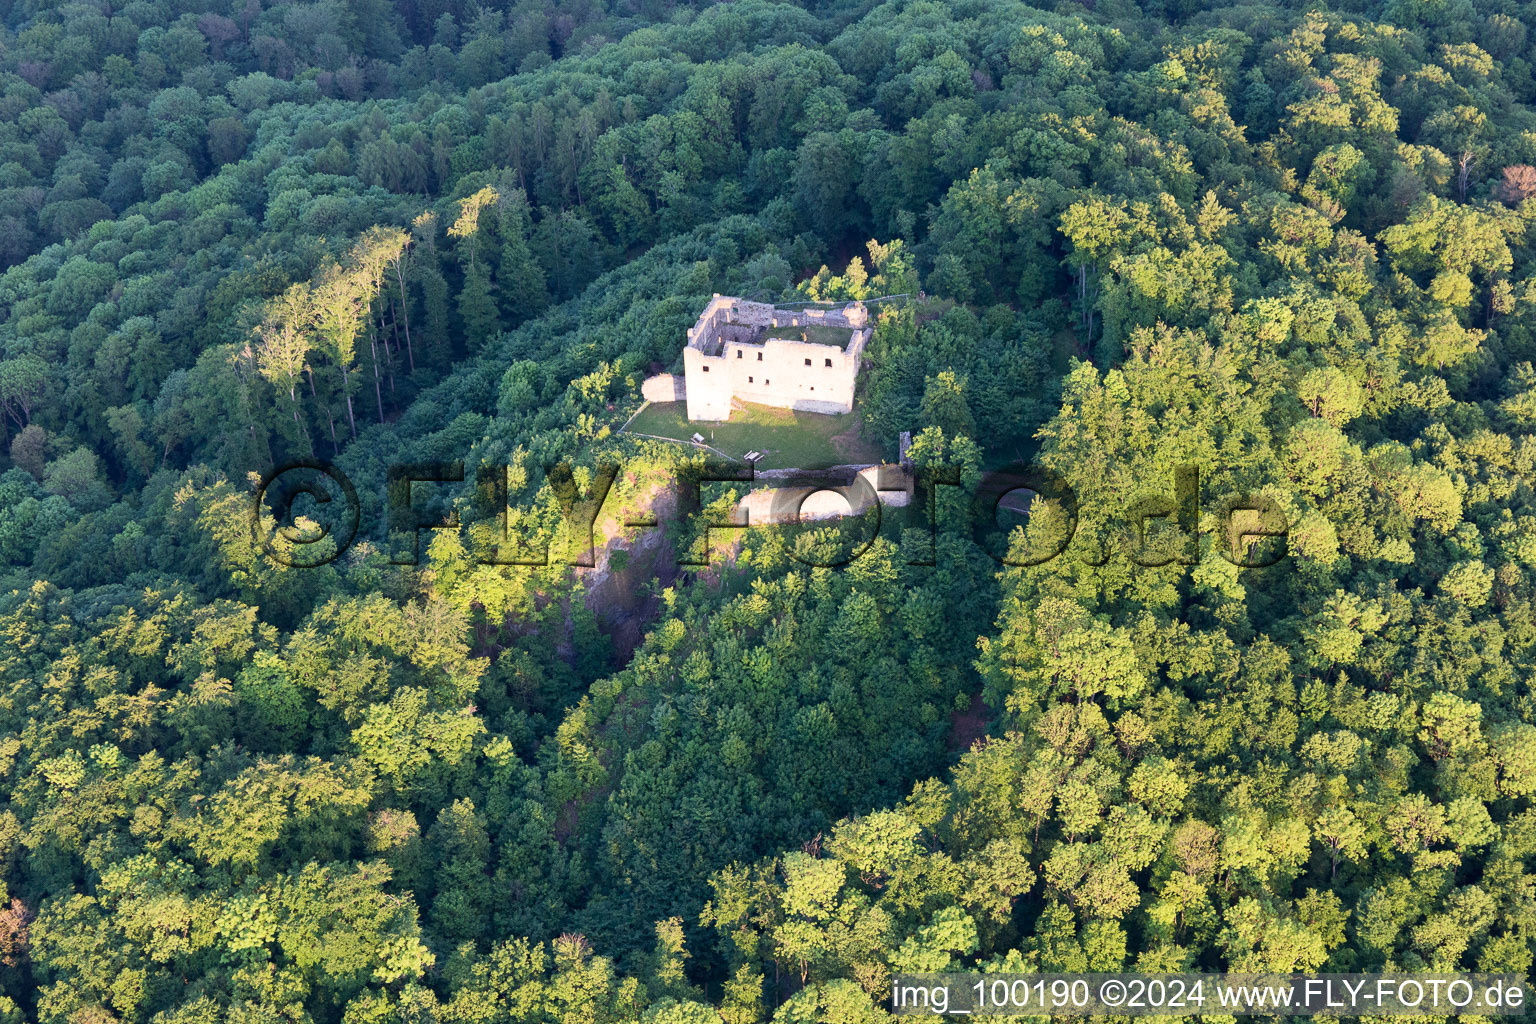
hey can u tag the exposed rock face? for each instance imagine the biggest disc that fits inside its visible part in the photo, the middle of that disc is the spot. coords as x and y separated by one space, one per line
664 387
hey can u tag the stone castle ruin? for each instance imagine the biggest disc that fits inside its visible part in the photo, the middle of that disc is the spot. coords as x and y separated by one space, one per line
804 359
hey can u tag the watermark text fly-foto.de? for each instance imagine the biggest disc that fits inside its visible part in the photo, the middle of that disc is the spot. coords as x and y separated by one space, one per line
1159 530
1092 995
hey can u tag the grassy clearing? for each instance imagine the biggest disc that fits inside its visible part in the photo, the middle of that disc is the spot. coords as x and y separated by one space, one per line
816 334
787 439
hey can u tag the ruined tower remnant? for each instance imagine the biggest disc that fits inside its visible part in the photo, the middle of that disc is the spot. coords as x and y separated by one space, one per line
790 358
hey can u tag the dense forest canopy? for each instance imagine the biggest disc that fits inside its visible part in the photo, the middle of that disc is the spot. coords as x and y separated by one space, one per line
1285 244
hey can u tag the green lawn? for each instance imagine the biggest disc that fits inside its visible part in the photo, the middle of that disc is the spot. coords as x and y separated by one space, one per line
787 439
816 334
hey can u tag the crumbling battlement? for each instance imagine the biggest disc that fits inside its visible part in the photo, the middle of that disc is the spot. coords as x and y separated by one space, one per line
728 319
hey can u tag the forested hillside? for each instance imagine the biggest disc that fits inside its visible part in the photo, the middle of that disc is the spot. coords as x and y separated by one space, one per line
1287 246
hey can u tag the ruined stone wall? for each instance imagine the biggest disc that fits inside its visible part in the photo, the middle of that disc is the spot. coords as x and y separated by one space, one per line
727 358
760 504
856 344
790 374
708 386
853 315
